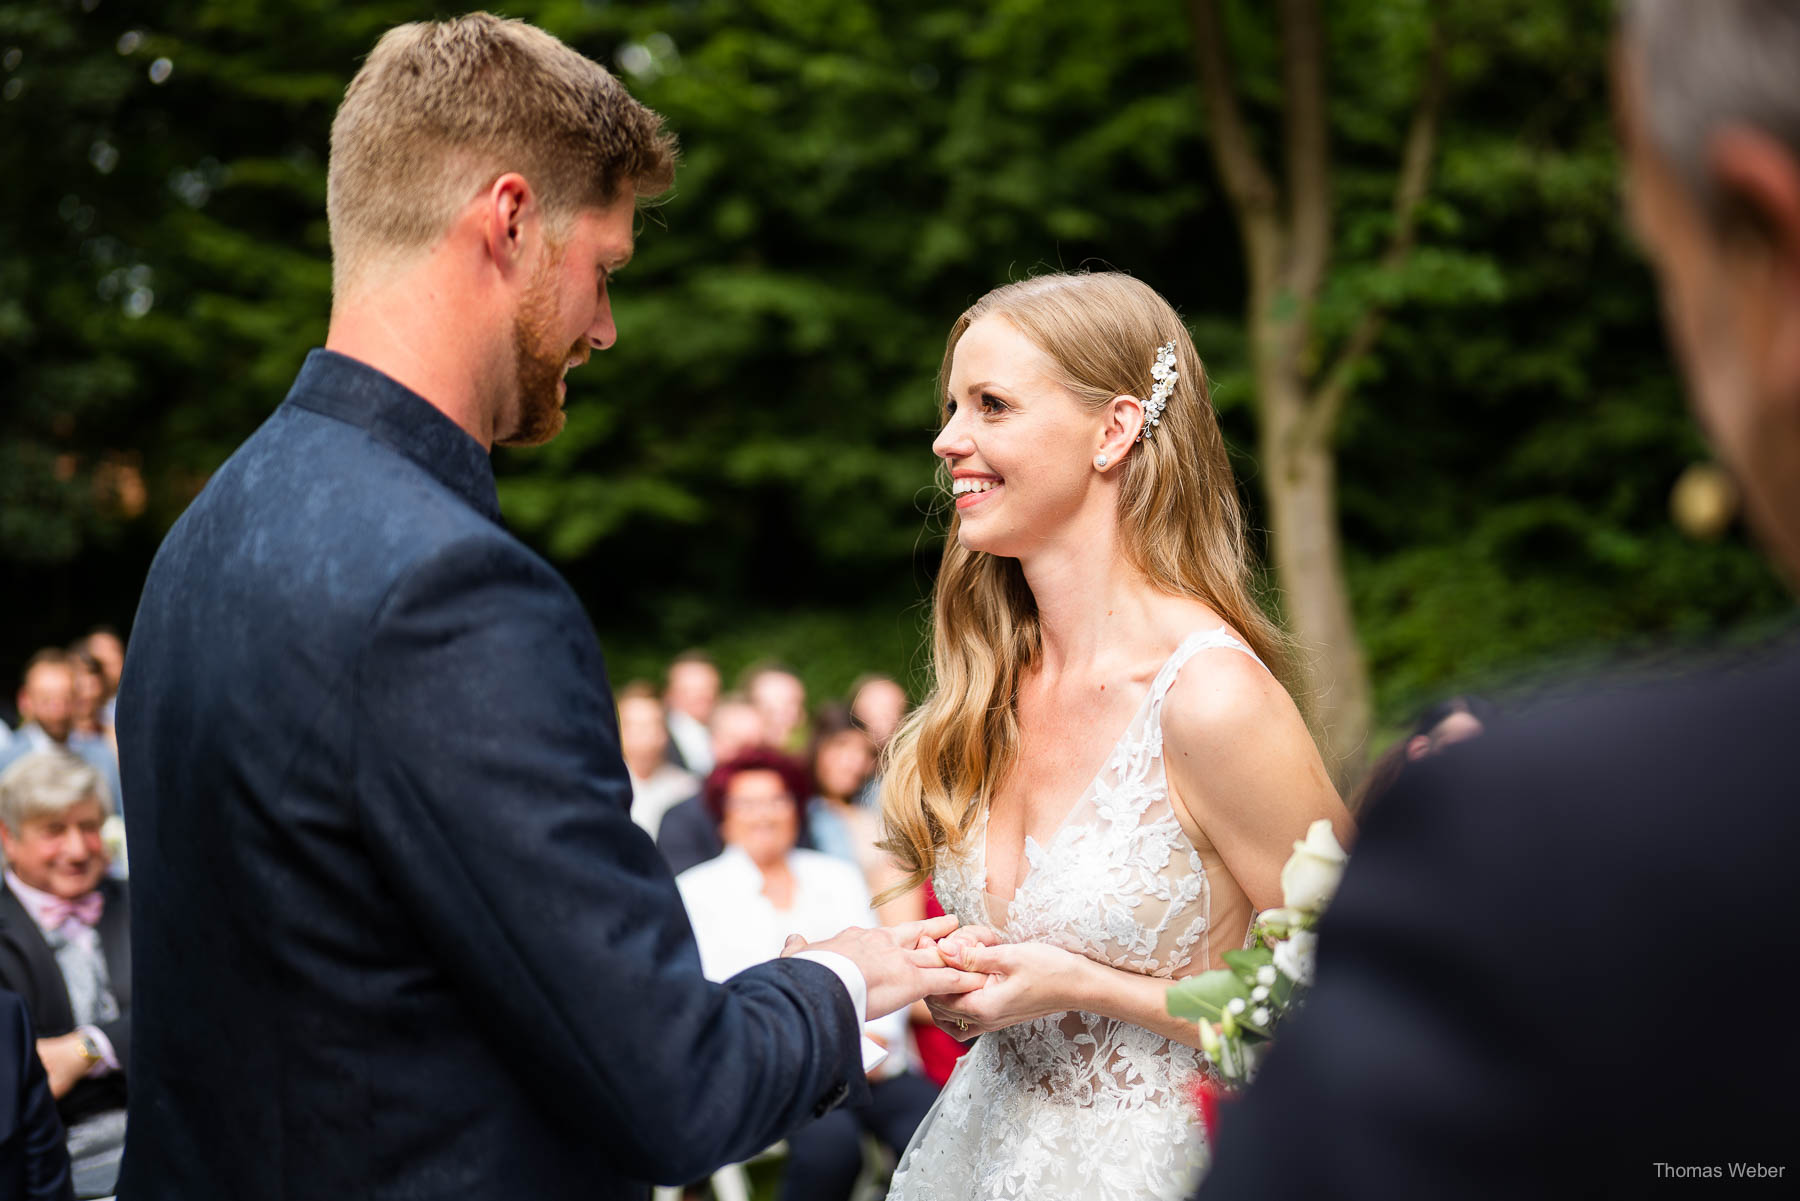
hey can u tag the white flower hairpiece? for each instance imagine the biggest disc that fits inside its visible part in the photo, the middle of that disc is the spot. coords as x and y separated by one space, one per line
1164 373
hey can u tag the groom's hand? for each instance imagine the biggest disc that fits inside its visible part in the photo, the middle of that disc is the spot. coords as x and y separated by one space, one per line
899 964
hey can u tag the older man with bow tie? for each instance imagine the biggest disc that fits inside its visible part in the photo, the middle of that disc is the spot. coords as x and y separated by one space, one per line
65 946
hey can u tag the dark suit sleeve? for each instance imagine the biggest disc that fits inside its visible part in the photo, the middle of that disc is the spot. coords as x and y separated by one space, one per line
488 777
1423 1064
38 1129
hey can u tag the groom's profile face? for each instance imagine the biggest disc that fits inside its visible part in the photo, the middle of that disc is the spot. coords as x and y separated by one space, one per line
563 316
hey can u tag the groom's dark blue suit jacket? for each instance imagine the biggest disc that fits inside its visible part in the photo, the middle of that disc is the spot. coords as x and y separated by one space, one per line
395 934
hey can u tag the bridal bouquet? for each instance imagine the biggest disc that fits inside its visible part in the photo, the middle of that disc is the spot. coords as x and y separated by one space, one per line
1239 1006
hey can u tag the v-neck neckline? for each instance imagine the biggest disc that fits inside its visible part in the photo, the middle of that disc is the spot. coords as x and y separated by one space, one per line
1025 845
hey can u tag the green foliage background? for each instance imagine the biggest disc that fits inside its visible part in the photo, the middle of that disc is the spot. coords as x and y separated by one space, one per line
749 469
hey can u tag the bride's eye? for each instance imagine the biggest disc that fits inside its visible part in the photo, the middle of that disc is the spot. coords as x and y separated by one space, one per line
992 404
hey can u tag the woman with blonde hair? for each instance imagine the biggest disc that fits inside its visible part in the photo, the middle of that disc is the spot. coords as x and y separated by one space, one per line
1108 774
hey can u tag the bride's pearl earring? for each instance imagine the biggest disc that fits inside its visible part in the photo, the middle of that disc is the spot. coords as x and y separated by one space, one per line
1101 461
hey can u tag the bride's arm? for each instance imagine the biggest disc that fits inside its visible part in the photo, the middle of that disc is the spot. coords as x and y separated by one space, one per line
1243 770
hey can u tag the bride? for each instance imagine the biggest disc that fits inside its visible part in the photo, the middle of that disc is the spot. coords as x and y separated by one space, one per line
1109 774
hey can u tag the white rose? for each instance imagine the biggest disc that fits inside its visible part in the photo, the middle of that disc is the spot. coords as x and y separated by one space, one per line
1294 956
112 837
1313 870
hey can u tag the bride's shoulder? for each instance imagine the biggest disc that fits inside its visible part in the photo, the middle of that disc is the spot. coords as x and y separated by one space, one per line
1223 701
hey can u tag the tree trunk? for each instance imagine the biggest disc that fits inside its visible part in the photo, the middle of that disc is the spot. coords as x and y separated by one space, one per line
1300 484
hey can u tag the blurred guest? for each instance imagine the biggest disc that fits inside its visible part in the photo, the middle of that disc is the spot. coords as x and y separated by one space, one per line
1549 969
780 697
49 707
1446 723
691 695
841 758
746 902
656 784
688 834
34 1163
65 946
90 694
107 650
879 703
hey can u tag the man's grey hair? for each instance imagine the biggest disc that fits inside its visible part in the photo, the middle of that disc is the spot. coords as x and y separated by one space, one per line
1705 64
48 784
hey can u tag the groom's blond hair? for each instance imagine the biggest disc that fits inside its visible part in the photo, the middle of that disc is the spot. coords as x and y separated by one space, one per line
441 109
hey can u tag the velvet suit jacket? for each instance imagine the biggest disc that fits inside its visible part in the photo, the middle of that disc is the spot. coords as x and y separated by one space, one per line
28 967
396 934
34 1164
1552 963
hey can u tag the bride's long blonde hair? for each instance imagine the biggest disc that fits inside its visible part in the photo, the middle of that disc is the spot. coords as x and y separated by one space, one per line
1180 524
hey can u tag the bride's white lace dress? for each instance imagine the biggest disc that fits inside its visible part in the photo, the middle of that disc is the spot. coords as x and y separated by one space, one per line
1075 1105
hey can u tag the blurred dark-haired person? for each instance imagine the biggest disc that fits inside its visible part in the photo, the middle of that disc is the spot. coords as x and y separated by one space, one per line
65 946
34 1163
108 650
691 694
50 709
746 902
1442 724
656 784
1547 971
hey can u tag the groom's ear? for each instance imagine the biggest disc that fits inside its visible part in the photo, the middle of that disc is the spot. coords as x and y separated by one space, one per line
508 216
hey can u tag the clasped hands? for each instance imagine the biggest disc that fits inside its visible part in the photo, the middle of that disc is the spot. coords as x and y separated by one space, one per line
970 980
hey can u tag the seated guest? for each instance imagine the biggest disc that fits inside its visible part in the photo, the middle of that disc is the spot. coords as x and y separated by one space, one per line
90 694
656 784
105 648
34 1164
691 695
745 903
688 834
841 758
780 697
880 704
65 946
50 708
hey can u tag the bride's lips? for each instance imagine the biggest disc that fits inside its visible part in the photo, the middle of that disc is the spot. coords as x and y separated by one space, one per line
970 499
966 500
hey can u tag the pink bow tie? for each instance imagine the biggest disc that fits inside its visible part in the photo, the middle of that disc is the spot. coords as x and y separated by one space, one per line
86 909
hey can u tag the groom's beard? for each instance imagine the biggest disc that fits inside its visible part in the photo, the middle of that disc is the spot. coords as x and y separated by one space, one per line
538 366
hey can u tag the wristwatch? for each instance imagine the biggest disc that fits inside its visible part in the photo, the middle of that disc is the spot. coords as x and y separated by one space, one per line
90 1050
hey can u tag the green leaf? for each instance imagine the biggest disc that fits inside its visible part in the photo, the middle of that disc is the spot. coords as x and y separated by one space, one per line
1203 998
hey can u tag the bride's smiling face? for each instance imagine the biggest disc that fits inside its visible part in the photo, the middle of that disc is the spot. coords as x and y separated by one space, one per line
1018 444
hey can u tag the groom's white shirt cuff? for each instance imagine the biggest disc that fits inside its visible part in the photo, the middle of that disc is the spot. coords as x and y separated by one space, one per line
858 988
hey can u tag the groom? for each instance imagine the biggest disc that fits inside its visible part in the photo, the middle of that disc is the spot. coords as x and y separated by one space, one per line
395 932
1551 969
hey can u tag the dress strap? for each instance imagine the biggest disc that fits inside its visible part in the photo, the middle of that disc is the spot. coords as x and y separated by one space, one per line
1200 640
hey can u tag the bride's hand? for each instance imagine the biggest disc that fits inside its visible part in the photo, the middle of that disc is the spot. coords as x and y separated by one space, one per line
968 936
1024 980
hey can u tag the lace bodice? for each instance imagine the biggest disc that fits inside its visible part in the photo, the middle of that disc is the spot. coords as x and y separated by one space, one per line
1075 1104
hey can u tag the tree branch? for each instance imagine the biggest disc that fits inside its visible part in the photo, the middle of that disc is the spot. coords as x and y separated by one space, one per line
1308 150
1409 192
1247 181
